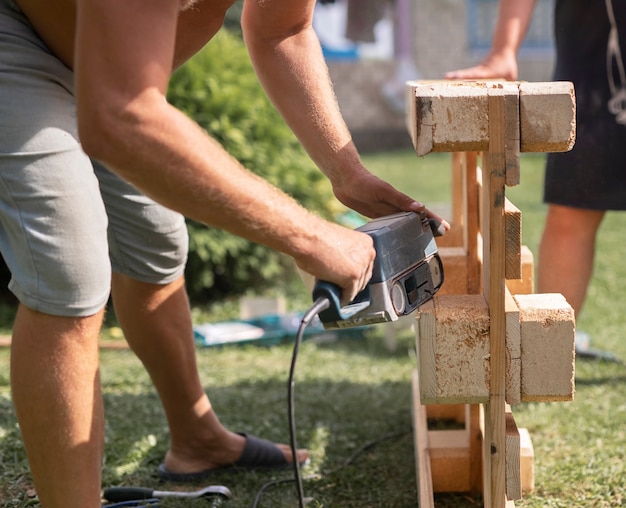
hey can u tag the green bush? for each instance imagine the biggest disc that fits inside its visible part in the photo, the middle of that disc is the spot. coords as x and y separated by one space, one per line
219 89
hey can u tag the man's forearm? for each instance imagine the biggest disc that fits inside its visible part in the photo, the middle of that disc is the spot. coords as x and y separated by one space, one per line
295 76
514 17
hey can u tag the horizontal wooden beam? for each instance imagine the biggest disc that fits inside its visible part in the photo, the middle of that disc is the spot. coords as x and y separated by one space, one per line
453 116
453 355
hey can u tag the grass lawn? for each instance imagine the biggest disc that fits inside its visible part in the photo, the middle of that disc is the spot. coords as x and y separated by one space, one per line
353 396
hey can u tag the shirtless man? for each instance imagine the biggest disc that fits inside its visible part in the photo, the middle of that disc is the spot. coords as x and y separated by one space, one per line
84 81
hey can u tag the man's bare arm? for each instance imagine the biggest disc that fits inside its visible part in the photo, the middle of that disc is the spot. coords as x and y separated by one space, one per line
514 17
123 62
287 56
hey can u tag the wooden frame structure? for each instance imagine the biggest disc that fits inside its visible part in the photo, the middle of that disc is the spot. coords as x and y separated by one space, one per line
485 342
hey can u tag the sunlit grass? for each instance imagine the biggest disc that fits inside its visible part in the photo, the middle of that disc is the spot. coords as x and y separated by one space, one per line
356 392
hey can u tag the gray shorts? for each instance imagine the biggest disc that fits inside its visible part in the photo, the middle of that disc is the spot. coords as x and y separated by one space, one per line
65 220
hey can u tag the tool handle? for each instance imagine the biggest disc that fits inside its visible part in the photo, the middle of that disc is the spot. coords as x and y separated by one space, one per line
117 494
335 312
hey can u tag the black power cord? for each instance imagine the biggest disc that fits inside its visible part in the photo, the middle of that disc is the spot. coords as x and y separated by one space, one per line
320 304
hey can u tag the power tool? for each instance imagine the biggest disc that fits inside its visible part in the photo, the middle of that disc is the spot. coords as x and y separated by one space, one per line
407 272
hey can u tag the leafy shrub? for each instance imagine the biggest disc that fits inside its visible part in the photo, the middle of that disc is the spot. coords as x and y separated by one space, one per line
219 89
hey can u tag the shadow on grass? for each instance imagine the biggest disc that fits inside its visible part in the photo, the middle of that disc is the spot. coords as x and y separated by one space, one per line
333 420
596 372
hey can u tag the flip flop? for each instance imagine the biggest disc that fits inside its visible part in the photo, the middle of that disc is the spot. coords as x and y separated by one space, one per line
257 454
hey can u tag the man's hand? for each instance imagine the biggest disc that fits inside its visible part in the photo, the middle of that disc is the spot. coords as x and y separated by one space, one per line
373 197
341 256
496 66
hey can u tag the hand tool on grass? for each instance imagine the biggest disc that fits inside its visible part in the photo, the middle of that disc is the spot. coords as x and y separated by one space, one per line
138 503
117 494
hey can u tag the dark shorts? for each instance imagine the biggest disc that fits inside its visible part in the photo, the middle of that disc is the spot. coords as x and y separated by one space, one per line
593 174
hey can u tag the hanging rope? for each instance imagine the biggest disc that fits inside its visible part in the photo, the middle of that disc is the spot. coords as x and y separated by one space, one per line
617 102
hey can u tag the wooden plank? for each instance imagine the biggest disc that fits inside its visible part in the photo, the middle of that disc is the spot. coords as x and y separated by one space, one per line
512 136
513 240
513 351
513 458
459 280
450 460
477 432
527 461
494 253
426 344
455 412
473 239
455 236
425 496
525 285
450 116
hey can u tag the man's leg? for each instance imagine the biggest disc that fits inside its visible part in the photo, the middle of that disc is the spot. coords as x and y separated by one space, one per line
566 253
157 324
56 393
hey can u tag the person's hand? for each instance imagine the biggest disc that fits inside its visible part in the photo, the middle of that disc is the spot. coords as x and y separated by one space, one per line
339 255
367 194
496 66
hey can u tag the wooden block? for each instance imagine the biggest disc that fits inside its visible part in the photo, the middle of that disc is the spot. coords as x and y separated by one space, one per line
456 412
450 116
526 284
548 111
455 274
513 241
453 350
453 355
527 461
450 460
547 347
512 461
422 453
513 351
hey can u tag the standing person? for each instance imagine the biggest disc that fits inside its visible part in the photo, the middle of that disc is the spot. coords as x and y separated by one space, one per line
580 185
88 147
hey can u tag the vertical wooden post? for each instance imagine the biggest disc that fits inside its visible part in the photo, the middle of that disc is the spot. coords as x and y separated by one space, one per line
503 153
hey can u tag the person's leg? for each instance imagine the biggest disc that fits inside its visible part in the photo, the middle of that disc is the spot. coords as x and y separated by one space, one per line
53 239
157 324
566 253
148 250
56 394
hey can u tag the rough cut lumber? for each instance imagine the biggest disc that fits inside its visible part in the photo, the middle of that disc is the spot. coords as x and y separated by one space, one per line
454 260
450 460
451 116
547 338
527 461
513 458
513 351
513 239
453 356
425 497
525 285
456 264
503 152
453 350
